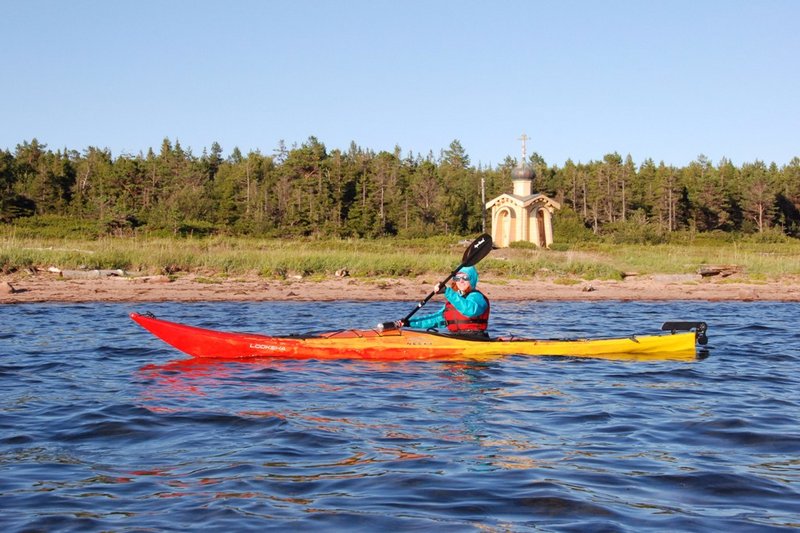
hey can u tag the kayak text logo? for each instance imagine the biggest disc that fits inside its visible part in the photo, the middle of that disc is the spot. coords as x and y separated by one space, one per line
268 347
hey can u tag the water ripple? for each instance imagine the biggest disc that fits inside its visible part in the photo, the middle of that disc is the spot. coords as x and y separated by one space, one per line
105 428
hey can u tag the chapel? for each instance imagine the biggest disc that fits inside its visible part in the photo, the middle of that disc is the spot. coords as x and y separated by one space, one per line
522 215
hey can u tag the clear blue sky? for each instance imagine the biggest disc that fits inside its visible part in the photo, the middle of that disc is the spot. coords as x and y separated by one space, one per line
667 80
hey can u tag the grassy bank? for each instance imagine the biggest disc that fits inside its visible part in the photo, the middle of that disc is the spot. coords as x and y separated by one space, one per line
275 258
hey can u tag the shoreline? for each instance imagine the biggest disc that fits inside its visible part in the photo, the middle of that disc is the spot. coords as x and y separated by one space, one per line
51 288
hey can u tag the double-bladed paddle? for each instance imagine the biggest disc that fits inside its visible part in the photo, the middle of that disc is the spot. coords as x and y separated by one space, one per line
476 251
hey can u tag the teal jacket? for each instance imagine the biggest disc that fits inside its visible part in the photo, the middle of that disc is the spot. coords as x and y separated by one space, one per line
473 304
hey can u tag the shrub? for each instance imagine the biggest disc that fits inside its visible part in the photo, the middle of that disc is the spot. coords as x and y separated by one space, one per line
568 228
636 230
53 227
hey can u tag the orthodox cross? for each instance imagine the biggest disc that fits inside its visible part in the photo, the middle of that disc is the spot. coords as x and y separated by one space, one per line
524 153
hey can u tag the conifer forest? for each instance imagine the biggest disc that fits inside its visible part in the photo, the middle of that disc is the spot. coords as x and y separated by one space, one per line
310 190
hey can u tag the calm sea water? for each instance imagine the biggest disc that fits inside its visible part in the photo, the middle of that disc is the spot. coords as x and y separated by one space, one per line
105 428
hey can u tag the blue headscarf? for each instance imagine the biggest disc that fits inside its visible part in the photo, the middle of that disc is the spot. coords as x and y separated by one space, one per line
472 274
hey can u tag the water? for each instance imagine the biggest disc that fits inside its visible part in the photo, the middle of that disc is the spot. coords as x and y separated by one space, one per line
105 428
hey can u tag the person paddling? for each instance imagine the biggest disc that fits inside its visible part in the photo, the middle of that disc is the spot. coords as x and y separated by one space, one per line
466 309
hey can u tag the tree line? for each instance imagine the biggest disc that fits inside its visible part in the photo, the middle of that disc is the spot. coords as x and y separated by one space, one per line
307 189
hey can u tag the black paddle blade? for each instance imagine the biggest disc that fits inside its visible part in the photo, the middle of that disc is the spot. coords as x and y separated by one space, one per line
476 251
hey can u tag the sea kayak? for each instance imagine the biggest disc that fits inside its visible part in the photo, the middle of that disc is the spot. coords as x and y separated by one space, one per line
405 345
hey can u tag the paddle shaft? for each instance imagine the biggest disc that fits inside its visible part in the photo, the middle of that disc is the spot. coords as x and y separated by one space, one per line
432 293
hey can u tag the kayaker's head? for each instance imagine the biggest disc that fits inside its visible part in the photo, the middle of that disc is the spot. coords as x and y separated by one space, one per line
466 279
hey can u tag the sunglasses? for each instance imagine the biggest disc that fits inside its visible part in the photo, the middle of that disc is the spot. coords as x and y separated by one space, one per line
461 277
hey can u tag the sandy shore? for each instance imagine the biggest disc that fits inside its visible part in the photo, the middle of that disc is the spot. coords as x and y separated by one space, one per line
47 287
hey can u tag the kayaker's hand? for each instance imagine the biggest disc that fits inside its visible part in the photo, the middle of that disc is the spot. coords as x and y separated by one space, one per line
400 323
438 289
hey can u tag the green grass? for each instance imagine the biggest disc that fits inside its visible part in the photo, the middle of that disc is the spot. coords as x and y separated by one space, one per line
230 256
215 257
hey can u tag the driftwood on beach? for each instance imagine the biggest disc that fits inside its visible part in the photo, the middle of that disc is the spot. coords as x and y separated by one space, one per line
7 288
720 270
88 273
